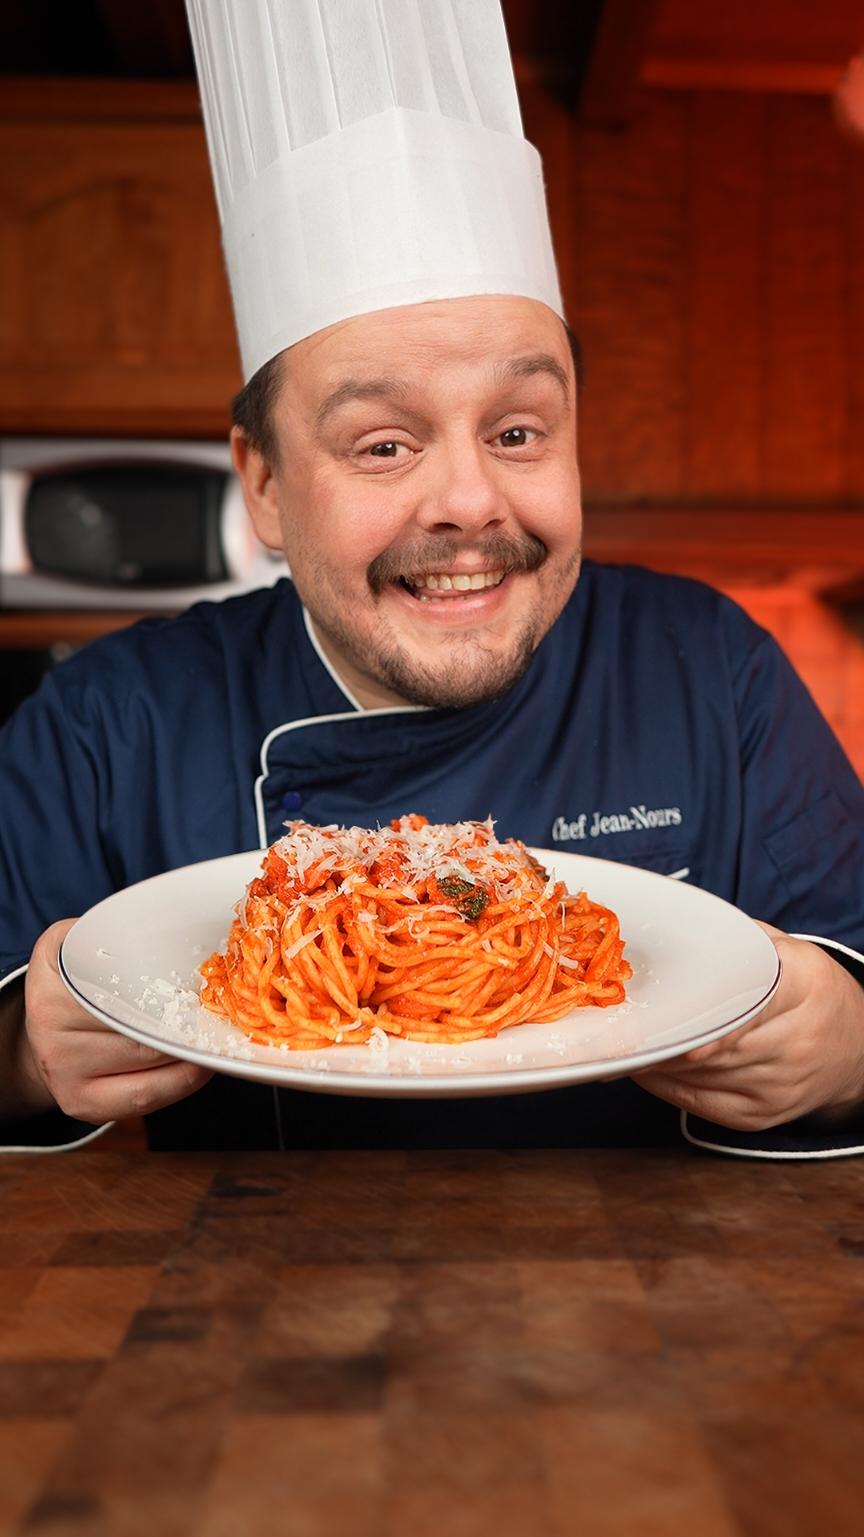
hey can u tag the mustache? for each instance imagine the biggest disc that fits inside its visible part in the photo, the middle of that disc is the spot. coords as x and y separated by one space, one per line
498 552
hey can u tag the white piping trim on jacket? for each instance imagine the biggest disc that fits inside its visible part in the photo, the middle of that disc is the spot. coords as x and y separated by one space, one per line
297 725
714 1147
326 662
833 944
19 971
258 795
777 1157
60 1147
340 683
761 1152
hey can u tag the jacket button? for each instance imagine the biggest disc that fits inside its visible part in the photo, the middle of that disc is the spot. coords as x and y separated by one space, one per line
292 800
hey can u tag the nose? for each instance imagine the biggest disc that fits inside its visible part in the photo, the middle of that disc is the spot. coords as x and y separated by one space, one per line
463 493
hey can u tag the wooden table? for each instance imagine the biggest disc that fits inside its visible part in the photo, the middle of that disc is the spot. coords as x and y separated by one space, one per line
621 1344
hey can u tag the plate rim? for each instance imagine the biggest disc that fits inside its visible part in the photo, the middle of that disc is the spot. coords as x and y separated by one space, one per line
455 1086
417 1086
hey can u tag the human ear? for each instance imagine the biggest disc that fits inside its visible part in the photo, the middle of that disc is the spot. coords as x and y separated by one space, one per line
255 474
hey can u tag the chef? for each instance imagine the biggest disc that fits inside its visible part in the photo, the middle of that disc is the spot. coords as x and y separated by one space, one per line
407 435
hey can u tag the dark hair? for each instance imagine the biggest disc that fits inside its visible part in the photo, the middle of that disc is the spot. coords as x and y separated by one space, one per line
252 407
577 356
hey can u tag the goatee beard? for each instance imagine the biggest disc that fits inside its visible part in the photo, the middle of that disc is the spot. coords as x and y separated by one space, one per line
473 678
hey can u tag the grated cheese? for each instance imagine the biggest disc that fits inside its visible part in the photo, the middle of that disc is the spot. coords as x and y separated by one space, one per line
305 939
469 851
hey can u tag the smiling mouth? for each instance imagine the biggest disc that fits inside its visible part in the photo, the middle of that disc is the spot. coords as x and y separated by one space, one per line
435 585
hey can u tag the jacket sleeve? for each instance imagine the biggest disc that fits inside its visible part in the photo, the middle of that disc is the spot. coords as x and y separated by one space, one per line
51 860
53 767
801 865
801 808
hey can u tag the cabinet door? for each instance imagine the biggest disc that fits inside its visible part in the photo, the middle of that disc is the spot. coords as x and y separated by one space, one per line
114 306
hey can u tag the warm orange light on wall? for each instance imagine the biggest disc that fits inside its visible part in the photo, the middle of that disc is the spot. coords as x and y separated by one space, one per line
849 98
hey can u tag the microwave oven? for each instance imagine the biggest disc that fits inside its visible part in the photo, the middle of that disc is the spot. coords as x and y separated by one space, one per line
124 524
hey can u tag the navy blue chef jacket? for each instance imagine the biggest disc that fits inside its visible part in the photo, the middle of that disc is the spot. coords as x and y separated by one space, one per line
656 725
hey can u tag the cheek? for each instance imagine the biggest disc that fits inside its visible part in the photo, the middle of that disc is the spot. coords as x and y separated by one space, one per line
553 512
352 523
324 557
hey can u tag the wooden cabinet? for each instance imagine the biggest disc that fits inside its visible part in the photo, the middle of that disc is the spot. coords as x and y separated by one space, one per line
711 255
114 307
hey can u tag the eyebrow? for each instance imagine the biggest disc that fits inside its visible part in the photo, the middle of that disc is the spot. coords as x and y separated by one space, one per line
395 389
530 365
358 389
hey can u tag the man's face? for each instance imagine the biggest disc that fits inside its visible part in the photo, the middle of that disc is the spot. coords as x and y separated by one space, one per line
426 493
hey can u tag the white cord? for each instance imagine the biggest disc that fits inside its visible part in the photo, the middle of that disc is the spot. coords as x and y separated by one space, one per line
62 1147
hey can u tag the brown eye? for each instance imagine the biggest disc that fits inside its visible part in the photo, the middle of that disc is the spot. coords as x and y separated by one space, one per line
384 450
516 437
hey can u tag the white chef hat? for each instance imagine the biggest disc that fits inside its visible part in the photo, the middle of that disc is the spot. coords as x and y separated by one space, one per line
366 153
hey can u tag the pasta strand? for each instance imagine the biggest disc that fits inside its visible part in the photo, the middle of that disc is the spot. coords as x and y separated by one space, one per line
430 933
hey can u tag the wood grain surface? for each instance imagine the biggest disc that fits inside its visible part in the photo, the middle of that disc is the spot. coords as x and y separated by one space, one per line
470 1343
710 256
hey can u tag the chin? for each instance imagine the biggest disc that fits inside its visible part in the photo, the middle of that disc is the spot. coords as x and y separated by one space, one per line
459 682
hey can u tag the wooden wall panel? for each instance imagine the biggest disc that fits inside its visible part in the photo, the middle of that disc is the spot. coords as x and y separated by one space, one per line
805 260
723 297
711 255
114 309
713 261
771 31
854 224
626 299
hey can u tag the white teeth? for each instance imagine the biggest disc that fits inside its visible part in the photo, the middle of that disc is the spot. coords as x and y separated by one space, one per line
439 581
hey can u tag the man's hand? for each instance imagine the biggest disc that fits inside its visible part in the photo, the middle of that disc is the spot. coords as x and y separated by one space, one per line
66 1056
804 1052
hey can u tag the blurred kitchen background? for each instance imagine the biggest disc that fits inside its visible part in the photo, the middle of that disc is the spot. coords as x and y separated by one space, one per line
705 172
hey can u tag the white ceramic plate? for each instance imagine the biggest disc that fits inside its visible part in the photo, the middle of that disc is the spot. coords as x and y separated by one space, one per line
700 969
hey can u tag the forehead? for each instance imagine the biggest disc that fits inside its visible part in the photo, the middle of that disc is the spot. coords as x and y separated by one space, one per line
424 345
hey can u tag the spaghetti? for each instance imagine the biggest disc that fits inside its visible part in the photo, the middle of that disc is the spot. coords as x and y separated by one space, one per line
429 933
